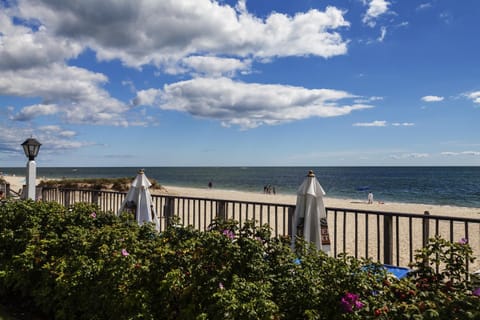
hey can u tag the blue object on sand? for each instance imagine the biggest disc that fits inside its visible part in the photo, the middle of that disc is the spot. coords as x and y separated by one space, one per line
398 272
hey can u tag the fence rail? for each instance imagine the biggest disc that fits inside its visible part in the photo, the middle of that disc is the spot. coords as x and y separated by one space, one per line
389 237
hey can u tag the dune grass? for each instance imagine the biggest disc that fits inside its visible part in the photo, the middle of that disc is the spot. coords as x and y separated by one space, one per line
117 184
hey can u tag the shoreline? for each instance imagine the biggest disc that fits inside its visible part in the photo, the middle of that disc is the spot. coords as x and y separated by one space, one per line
430 186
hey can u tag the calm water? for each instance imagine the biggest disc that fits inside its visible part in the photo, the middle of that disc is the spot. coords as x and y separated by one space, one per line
431 185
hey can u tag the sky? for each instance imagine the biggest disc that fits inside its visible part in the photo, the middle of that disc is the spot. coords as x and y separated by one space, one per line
240 83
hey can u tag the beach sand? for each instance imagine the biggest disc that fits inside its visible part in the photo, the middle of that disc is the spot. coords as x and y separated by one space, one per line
16 182
329 202
369 236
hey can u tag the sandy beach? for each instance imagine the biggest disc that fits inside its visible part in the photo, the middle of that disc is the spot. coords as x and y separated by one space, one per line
16 183
329 202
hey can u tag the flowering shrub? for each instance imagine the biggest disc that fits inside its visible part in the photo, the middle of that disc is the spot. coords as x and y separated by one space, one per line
80 263
351 302
439 286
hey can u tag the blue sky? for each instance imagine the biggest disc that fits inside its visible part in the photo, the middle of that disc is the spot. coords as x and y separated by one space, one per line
240 83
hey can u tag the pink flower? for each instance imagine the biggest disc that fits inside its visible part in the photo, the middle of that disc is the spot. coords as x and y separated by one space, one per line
93 215
359 304
463 241
221 286
125 252
351 302
229 233
476 292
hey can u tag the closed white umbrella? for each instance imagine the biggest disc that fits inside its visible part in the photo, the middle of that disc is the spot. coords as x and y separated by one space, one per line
310 217
140 199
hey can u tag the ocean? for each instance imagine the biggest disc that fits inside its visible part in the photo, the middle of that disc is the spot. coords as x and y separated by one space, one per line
458 186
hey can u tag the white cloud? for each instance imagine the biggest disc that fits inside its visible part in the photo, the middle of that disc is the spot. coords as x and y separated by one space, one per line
383 33
413 155
474 96
52 137
403 124
463 153
432 98
146 97
471 153
57 130
30 112
164 32
375 9
33 65
250 105
23 48
382 123
73 92
424 6
368 99
203 37
215 66
376 123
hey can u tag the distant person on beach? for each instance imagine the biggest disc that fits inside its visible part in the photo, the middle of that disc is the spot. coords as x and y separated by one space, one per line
210 184
370 198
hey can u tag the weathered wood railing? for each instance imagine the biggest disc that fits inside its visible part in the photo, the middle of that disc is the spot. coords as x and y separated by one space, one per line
391 238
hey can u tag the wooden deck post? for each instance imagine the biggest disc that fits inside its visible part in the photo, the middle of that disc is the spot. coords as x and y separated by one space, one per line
291 213
95 196
169 210
221 210
426 229
387 239
67 198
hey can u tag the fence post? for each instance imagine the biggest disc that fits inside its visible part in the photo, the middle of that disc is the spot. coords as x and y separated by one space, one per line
67 198
426 228
95 195
221 210
45 194
387 239
169 210
291 213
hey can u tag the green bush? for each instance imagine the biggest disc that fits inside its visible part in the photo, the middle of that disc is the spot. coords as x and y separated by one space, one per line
80 263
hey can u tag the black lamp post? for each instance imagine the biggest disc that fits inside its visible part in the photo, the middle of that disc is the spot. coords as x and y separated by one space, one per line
31 147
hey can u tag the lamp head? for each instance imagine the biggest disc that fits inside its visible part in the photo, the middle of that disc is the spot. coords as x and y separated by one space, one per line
31 147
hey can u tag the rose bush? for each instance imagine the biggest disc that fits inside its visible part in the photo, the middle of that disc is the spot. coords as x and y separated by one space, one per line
80 263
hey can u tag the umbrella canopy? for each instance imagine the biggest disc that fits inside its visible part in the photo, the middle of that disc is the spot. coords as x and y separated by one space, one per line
310 217
139 200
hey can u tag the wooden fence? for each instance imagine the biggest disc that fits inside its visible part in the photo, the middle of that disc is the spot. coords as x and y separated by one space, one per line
388 237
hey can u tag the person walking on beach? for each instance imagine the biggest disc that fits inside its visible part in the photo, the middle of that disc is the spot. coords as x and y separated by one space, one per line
370 198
